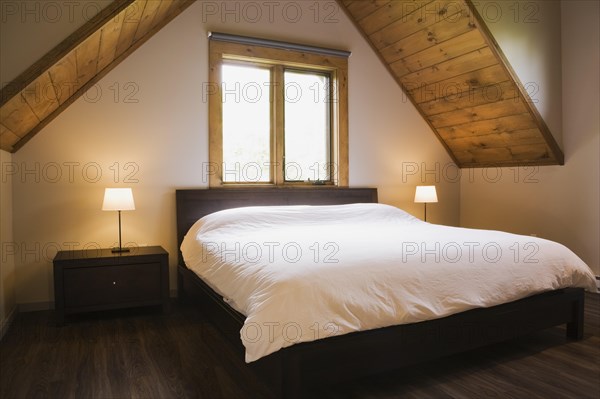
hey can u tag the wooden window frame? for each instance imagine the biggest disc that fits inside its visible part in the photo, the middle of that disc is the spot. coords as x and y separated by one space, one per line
336 66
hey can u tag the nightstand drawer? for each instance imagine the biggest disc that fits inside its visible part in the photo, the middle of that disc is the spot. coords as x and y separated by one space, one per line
89 286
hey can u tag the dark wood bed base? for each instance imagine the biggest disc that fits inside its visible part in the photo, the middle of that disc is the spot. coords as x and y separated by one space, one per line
292 370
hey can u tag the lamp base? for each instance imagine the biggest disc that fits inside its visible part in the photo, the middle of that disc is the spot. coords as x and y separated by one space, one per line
119 250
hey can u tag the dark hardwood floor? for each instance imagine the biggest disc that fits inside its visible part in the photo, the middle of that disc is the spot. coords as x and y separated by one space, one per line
145 354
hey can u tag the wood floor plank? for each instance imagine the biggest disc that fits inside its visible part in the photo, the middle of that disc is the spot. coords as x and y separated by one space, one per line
146 354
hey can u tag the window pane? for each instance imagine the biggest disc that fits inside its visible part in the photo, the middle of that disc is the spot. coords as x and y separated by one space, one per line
246 123
307 126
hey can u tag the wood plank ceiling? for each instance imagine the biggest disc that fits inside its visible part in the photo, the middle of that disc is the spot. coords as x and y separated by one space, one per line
449 65
44 90
439 51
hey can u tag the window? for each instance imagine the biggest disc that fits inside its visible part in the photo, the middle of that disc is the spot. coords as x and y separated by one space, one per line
277 116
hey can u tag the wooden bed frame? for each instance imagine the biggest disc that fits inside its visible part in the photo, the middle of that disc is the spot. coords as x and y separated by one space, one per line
291 370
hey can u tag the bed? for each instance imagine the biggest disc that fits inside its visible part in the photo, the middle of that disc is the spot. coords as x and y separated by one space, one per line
293 369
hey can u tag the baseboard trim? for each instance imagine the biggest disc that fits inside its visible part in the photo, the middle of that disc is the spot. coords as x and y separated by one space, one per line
35 306
7 322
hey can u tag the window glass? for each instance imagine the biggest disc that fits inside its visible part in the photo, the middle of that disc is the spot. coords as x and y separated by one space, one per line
246 123
307 127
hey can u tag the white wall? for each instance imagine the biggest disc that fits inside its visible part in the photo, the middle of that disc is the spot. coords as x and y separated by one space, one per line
529 35
163 138
7 261
560 203
53 22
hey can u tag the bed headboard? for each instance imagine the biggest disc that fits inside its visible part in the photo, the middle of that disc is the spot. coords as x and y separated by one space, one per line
196 203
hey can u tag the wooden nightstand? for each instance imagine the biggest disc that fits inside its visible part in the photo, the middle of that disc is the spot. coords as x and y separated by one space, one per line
97 279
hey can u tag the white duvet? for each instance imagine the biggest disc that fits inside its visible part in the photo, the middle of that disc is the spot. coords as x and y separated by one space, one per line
301 273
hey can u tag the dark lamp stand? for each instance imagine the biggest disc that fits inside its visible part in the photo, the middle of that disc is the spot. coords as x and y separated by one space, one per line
120 248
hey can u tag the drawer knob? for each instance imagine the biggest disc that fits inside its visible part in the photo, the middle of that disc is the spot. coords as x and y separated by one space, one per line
114 283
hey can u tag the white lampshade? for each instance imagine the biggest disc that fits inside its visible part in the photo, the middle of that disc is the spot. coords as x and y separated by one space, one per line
426 194
118 199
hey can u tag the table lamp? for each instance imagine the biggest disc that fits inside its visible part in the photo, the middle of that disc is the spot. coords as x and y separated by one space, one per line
425 195
118 199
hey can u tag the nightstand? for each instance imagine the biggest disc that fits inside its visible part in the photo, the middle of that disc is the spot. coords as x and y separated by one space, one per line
97 279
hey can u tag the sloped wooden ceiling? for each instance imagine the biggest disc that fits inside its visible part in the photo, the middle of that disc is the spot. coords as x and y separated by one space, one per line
43 91
449 65
440 52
